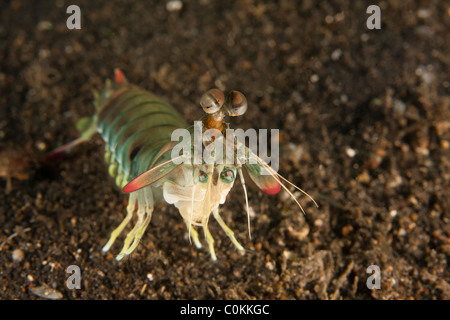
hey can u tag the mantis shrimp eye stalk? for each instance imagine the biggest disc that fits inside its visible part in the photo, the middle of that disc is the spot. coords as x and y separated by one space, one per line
237 103
212 101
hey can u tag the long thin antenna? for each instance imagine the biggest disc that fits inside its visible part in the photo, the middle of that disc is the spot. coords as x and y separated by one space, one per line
273 173
194 178
241 176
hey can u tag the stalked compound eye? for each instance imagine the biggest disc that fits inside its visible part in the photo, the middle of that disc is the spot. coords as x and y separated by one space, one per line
212 100
203 176
237 103
227 175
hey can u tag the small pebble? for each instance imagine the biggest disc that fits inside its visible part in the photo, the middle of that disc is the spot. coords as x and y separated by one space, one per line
41 145
363 177
18 255
174 5
346 230
423 13
314 78
44 25
336 54
393 213
47 293
270 265
350 152
399 106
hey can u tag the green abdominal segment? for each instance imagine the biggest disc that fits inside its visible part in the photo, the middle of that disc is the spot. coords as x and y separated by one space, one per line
135 125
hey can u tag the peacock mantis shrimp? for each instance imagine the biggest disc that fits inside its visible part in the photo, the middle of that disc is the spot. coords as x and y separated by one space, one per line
136 127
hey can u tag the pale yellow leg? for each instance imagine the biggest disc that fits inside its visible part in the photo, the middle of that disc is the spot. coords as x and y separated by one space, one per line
209 239
139 233
227 230
145 203
119 229
130 236
194 234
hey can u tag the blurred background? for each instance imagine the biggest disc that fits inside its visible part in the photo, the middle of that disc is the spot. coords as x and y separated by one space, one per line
364 128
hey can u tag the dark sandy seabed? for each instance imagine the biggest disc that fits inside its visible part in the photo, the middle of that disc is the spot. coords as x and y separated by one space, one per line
365 129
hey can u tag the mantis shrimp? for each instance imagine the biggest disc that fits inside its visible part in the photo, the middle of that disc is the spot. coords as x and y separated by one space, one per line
136 127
